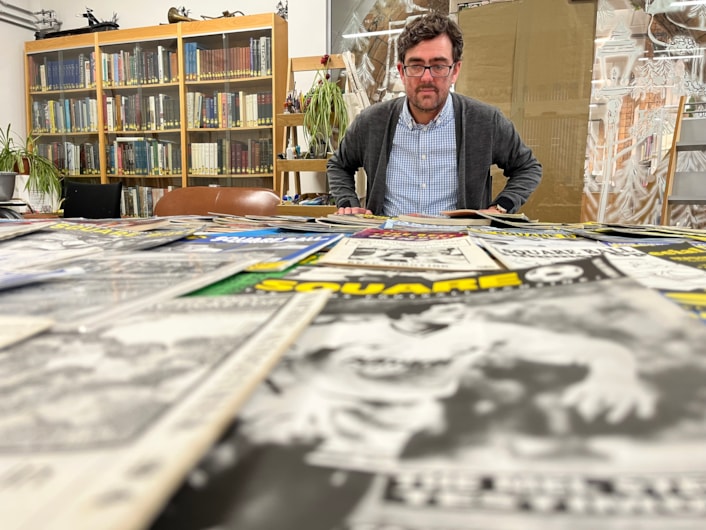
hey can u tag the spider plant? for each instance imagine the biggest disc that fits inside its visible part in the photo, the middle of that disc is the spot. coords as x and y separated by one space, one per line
325 111
22 157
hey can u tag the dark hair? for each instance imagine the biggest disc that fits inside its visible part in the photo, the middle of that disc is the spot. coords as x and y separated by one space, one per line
427 27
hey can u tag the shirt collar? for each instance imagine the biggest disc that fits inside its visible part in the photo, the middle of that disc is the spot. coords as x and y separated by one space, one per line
444 116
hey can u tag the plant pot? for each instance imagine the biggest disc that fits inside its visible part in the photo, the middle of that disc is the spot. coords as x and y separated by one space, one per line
318 147
7 185
24 170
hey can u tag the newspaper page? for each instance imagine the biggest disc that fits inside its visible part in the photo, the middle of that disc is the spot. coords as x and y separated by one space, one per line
98 430
111 283
451 254
572 398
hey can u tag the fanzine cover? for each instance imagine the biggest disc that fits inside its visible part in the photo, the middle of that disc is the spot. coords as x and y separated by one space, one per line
397 234
356 219
503 234
396 223
615 232
15 328
519 253
98 430
9 279
277 250
73 235
683 253
443 220
106 284
570 398
14 228
434 253
649 270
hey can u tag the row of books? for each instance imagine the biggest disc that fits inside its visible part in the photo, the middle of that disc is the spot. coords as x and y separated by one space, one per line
65 115
203 64
136 112
140 67
228 109
141 113
139 201
70 73
144 156
225 157
72 158
150 66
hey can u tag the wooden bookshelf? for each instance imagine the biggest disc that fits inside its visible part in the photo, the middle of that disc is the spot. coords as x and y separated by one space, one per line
160 106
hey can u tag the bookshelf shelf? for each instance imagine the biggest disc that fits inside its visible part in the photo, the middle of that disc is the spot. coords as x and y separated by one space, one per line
125 103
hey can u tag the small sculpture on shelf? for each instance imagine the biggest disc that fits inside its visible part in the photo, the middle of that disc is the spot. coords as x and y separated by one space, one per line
293 103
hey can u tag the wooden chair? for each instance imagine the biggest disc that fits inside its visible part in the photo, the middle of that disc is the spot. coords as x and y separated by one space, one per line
92 201
202 200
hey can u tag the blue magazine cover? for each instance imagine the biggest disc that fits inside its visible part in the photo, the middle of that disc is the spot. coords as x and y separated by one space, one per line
283 249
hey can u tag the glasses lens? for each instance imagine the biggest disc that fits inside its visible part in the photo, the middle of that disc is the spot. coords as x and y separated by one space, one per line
440 70
437 70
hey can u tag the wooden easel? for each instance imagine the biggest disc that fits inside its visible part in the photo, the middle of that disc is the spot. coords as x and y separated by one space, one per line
686 186
291 122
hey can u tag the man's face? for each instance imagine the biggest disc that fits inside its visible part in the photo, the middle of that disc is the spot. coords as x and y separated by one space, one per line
428 94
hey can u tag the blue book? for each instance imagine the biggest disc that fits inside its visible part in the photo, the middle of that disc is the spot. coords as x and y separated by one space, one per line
280 250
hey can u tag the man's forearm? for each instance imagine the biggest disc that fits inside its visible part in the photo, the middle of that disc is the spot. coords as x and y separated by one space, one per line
341 184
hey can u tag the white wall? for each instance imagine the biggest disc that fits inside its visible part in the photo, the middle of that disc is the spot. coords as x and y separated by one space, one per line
12 76
307 33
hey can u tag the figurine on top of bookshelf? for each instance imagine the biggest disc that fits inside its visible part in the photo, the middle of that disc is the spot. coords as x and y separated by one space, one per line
226 14
283 10
93 21
179 14
93 25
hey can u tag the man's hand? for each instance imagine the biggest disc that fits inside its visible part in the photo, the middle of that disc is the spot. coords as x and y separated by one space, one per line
353 210
492 210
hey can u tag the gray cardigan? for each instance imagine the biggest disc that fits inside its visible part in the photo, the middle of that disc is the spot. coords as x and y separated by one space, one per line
484 136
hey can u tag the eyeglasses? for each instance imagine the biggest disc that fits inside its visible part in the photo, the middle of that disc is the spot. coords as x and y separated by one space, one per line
436 70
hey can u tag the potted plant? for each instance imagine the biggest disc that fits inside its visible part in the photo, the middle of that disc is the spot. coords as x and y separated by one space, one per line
325 112
22 157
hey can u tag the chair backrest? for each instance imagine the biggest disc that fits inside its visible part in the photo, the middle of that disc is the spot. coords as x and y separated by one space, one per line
202 200
92 201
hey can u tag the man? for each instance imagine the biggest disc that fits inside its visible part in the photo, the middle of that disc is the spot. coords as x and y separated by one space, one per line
431 150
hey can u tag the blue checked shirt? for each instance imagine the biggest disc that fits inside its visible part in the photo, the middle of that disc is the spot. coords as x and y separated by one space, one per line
421 172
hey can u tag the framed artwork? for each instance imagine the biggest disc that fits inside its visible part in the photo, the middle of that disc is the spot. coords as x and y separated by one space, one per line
369 29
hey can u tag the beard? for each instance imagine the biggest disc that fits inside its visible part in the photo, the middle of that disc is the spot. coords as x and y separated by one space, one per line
426 101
